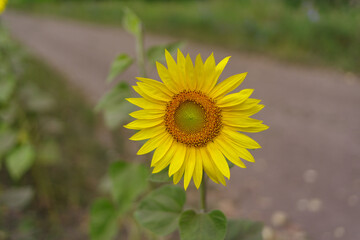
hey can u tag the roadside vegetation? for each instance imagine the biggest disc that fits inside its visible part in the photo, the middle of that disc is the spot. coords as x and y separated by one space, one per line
323 33
50 162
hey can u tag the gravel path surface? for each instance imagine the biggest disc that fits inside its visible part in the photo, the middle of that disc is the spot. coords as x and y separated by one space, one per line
309 167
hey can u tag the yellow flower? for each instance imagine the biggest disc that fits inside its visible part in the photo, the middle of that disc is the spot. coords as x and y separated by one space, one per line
2 6
191 122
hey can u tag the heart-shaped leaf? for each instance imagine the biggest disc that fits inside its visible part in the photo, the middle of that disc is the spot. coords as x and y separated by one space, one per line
202 226
116 108
103 220
161 177
160 210
128 181
113 97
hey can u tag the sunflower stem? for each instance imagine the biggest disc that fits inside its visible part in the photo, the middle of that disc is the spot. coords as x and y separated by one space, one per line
140 52
203 195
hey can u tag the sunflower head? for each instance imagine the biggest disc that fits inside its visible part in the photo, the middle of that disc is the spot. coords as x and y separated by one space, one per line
2 6
192 122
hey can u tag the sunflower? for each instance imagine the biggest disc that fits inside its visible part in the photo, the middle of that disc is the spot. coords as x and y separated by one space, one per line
2 5
191 121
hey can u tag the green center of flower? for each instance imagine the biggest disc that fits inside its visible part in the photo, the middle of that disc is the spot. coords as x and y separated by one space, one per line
190 117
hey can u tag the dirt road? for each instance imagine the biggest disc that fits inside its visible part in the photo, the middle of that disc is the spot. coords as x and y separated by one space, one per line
309 166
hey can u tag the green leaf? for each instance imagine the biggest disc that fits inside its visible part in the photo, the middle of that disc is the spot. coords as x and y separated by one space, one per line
160 210
16 198
128 181
203 226
116 109
20 160
157 53
103 220
115 96
7 87
132 22
7 140
120 64
116 115
244 229
161 177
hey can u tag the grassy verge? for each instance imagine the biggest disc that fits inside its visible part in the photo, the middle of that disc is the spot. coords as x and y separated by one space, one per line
327 36
66 184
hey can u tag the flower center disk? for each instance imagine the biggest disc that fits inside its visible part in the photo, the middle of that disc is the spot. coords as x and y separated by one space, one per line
193 118
190 117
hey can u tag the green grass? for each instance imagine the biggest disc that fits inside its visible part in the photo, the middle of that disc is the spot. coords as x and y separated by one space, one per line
63 188
267 27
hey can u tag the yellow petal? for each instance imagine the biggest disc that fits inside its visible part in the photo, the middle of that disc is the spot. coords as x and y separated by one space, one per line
190 77
173 71
252 129
169 60
189 166
180 60
165 161
153 143
220 176
178 175
209 74
234 98
154 92
227 85
253 110
178 159
244 113
245 154
162 149
229 152
220 67
166 78
147 114
145 104
247 104
144 123
198 171
147 96
239 121
148 133
219 159
210 167
242 140
241 152
208 164
199 72
156 84
180 74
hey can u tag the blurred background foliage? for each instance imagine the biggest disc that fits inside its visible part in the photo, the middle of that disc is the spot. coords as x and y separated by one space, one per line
68 150
316 32
45 182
